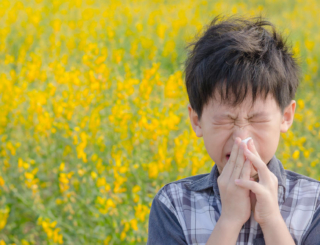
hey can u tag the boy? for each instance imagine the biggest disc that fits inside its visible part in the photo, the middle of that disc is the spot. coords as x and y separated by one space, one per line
241 80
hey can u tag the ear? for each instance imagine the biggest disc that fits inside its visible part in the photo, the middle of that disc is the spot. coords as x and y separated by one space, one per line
287 117
195 123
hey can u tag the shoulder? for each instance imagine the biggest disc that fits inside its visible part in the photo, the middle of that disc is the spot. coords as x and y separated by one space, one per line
302 181
304 193
181 184
172 193
303 186
296 176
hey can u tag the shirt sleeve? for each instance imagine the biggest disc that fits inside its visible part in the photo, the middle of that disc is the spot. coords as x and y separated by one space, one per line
164 227
312 236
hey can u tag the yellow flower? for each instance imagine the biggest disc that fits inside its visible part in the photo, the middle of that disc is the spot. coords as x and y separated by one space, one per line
58 201
134 224
141 212
101 182
301 104
20 162
24 242
107 240
169 48
93 175
309 44
4 214
110 203
296 154
314 163
29 175
306 153
61 168
107 187
153 170
136 188
2 182
136 198
94 157
53 224
26 165
122 236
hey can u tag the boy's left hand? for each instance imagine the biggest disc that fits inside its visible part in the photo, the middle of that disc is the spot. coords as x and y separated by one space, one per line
266 190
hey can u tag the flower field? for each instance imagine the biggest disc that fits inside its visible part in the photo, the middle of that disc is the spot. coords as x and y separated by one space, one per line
93 111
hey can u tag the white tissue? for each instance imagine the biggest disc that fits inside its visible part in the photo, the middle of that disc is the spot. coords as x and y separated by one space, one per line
246 140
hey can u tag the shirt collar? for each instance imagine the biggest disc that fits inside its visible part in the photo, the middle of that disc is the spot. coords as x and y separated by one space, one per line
210 180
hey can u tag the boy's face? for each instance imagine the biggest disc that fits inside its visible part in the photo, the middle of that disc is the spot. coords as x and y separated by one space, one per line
221 124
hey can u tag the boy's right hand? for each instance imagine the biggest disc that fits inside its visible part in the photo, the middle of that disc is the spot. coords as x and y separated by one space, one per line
235 200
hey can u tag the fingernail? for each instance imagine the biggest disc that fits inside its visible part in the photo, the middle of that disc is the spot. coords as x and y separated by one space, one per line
251 141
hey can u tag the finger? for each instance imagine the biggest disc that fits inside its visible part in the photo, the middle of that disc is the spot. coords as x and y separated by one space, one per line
252 147
246 170
239 162
228 168
262 169
253 168
255 187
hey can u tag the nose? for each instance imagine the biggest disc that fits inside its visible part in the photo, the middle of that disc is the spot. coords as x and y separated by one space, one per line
241 131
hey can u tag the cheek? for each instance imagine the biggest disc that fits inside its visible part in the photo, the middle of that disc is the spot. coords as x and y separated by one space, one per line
213 146
266 146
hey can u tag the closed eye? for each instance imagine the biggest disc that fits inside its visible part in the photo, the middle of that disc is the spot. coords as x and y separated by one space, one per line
232 122
222 123
259 121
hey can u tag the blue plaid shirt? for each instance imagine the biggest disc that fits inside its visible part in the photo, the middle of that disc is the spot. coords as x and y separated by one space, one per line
185 211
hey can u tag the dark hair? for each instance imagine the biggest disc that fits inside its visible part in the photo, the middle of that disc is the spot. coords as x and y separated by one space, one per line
238 54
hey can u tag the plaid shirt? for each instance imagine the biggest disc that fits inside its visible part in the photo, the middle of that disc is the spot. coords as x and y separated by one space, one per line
186 211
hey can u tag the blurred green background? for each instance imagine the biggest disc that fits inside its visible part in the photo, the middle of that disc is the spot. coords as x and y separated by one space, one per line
93 111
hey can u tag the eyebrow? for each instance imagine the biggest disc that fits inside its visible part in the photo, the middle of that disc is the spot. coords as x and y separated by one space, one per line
256 114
